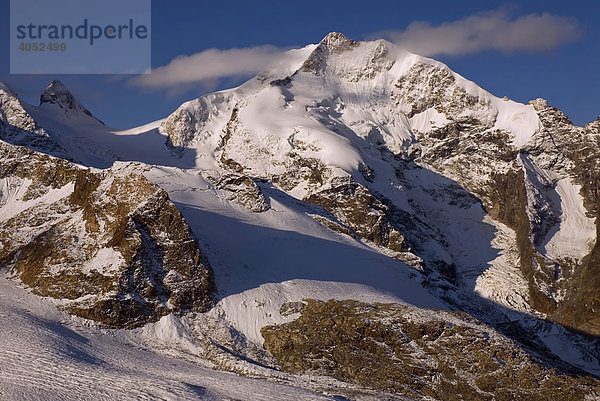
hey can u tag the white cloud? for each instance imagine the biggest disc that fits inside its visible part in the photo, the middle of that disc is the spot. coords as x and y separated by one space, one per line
209 65
492 30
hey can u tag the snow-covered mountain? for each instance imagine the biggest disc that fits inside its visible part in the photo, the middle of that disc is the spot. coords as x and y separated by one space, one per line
354 171
407 155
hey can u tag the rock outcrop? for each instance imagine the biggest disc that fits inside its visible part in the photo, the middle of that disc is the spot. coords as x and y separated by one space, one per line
108 244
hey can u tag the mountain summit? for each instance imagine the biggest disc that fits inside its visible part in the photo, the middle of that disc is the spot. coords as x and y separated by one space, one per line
56 93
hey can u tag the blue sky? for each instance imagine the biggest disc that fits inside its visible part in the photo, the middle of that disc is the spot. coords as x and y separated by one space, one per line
567 74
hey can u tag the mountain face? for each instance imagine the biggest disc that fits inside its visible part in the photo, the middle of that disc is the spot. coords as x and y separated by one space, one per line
571 153
360 206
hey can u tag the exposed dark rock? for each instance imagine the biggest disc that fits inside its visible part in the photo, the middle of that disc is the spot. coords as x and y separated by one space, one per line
281 82
308 169
367 172
244 191
419 353
355 207
333 43
425 86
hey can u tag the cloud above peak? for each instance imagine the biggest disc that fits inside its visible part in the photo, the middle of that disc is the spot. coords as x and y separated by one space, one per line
491 30
209 65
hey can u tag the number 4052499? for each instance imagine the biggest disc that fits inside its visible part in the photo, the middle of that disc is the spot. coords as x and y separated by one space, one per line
43 47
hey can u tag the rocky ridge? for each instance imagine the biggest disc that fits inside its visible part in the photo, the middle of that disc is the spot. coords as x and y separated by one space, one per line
19 128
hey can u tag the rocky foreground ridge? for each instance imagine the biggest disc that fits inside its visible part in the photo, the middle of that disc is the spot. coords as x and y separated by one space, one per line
419 353
108 244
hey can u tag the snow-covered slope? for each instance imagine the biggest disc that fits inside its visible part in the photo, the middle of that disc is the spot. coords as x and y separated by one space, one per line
44 354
